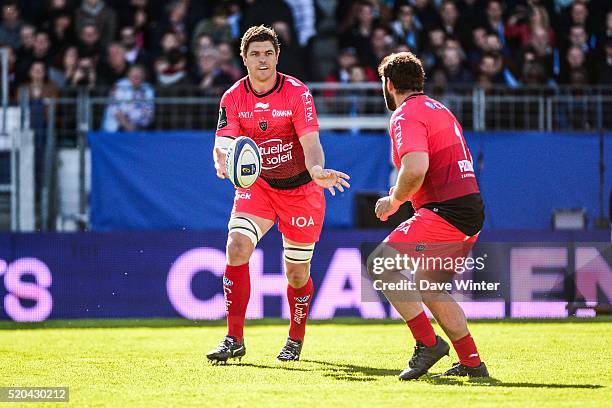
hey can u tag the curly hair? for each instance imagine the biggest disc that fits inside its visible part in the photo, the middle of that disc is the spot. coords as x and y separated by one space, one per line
258 34
405 70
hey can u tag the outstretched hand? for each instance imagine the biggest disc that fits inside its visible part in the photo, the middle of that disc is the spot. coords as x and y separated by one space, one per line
330 179
220 157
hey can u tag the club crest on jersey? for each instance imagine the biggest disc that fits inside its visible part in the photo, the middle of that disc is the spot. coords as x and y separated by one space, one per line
263 125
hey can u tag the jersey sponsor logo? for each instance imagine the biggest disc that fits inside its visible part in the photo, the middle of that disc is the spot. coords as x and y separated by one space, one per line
222 118
263 125
397 128
274 153
281 113
262 106
302 222
308 106
245 115
243 196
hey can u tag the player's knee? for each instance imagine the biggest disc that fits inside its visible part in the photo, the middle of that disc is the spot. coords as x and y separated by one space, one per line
239 248
297 274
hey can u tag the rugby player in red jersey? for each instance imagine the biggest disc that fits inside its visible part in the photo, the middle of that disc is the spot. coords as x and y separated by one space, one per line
437 176
276 111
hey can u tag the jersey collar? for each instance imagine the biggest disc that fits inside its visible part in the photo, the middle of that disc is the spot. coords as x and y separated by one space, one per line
277 85
414 95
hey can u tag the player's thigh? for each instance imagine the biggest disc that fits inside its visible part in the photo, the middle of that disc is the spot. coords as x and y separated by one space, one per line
301 213
252 214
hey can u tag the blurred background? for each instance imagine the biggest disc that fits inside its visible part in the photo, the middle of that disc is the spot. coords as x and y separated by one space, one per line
107 127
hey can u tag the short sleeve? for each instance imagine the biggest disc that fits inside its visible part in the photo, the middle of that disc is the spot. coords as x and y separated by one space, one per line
304 113
414 137
228 124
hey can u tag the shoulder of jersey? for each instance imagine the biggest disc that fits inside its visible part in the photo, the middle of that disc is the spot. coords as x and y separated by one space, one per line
292 84
236 86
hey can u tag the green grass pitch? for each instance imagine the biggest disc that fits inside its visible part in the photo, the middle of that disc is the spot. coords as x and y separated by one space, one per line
345 363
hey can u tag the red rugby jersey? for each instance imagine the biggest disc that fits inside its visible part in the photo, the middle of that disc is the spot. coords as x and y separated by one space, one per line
275 120
422 124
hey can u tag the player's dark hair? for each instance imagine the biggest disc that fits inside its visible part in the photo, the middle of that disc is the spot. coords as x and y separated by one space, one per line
259 33
405 70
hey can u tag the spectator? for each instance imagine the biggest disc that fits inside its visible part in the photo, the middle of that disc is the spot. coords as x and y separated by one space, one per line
358 36
98 14
456 73
209 77
38 88
171 41
521 25
61 32
579 15
406 28
494 19
450 22
575 71
605 35
134 52
490 71
85 74
64 73
478 46
176 22
604 67
227 62
533 72
471 13
304 17
89 44
382 45
170 69
267 12
426 14
217 27
134 13
432 54
10 28
115 66
347 58
291 60
40 52
544 52
132 103
26 38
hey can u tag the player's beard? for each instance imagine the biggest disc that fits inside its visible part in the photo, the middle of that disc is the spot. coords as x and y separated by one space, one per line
389 101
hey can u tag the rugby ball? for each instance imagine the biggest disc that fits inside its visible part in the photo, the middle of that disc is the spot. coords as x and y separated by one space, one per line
243 162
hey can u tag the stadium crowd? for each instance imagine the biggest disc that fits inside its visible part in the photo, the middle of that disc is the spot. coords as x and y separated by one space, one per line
180 42
182 47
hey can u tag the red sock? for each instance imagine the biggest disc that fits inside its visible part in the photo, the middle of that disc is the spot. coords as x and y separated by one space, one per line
422 330
237 290
466 350
299 302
